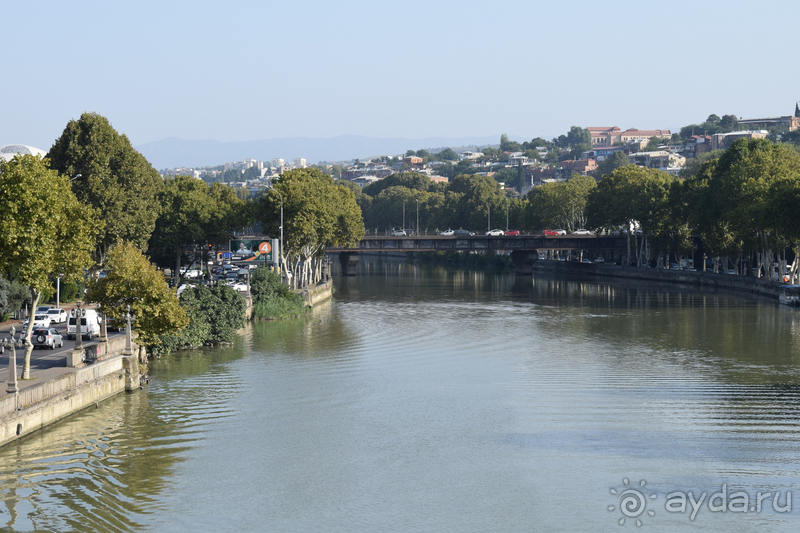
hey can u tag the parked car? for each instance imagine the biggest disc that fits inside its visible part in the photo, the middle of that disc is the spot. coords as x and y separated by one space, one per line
398 233
47 338
599 260
463 233
581 232
239 286
40 320
193 274
550 233
495 232
57 316
447 233
512 233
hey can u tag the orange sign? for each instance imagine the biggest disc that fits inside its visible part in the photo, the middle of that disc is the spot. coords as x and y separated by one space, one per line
264 248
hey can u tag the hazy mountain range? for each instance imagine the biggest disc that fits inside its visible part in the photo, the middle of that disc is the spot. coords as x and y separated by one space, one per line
172 153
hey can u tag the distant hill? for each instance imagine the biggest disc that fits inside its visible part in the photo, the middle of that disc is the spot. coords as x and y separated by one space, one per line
172 153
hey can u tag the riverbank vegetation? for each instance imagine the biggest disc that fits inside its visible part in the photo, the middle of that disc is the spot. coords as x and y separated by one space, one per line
214 313
317 213
272 299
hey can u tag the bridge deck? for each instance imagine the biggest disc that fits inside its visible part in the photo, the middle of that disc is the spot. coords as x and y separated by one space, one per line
435 243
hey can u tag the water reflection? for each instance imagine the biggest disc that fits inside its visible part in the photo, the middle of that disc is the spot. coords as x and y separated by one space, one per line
108 468
427 398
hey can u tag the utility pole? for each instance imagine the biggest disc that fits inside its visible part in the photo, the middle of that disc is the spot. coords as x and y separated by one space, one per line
489 217
404 216
418 217
506 213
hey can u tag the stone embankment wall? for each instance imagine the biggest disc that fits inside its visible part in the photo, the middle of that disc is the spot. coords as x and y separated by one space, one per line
705 279
33 408
319 293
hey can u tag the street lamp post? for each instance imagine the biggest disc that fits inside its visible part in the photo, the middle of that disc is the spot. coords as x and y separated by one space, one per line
11 387
404 216
282 266
417 217
489 217
77 351
506 213
128 340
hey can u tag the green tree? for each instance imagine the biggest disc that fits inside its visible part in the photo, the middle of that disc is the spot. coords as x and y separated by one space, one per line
410 180
115 179
653 144
610 164
631 197
44 230
694 164
133 281
560 204
740 186
187 209
448 154
318 214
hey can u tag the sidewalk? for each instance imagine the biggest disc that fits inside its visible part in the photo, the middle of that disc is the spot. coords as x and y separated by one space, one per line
45 364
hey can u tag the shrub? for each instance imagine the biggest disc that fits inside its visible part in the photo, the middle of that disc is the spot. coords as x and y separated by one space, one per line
69 291
273 299
215 313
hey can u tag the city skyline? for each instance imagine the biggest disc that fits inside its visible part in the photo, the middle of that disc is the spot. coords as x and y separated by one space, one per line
249 72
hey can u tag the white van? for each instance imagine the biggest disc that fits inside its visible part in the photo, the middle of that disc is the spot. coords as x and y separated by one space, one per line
90 324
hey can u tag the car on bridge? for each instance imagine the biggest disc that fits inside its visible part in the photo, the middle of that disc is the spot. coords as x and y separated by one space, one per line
581 232
463 233
447 233
550 233
495 233
398 233
513 233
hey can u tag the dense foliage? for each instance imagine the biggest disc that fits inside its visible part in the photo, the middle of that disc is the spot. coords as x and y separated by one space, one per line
214 312
45 229
273 299
115 179
133 281
317 213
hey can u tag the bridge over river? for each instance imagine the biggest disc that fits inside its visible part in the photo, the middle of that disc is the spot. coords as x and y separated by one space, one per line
524 248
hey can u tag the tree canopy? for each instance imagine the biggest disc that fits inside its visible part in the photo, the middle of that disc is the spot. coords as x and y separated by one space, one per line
46 231
114 178
133 281
318 213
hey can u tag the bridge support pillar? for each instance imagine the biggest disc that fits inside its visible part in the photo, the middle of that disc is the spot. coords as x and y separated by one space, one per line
523 261
349 260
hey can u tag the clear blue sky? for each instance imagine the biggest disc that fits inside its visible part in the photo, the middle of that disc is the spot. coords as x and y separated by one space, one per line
237 70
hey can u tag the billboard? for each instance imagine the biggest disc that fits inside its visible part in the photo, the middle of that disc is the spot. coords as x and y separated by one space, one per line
254 250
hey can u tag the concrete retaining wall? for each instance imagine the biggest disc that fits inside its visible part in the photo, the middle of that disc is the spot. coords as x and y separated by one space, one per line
319 293
36 407
705 279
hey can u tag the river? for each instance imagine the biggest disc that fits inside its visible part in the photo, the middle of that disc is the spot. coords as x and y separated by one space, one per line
426 398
